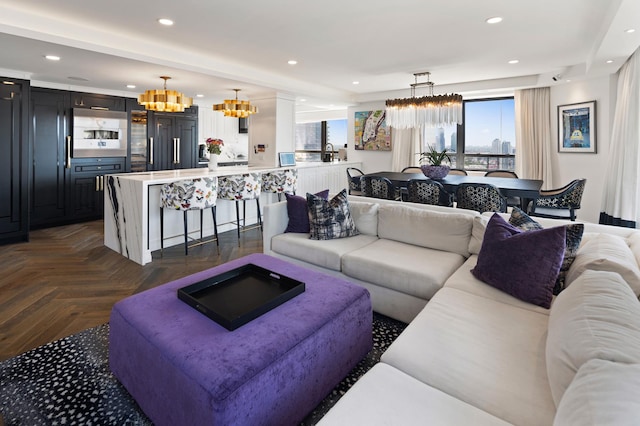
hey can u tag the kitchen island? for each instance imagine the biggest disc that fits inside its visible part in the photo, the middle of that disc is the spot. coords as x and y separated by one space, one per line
132 204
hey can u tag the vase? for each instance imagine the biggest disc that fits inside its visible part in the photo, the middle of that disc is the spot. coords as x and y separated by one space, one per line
435 172
213 162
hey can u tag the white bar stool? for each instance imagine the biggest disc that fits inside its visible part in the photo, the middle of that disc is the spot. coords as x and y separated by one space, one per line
280 182
241 188
185 195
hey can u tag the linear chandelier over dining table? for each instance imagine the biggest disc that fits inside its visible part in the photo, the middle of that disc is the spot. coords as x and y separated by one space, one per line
426 111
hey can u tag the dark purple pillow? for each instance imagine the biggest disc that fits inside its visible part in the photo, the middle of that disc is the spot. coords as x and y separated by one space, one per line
522 264
299 212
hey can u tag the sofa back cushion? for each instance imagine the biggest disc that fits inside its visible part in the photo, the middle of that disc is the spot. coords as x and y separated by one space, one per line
602 393
365 216
432 229
604 252
596 317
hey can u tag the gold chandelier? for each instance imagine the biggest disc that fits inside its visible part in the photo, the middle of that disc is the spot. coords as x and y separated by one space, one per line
164 100
429 111
236 108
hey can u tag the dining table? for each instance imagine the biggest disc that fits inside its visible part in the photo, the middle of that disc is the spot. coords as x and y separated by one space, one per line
526 189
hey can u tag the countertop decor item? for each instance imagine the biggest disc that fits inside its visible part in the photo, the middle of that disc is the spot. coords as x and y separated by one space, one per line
214 146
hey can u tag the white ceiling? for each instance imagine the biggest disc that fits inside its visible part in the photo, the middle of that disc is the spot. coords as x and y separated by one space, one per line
216 46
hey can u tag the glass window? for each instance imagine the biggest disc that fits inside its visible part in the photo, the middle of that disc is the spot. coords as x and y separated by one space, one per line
485 141
311 138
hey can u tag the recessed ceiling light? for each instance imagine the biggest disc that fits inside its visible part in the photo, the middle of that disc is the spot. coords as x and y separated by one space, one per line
568 81
610 61
292 62
10 83
131 86
303 100
52 57
165 21
72 77
356 82
630 30
494 20
199 95
514 61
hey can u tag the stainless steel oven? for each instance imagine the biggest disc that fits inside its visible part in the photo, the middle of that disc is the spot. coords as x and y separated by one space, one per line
99 133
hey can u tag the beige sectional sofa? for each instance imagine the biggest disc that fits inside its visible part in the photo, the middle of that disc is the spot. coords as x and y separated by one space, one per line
471 353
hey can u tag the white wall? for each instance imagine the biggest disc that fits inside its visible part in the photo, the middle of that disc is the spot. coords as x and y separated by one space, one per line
569 166
213 124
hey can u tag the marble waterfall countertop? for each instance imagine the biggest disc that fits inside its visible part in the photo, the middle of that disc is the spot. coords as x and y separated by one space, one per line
131 212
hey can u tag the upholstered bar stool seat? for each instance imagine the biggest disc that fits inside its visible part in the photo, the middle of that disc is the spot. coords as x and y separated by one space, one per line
280 182
189 194
241 188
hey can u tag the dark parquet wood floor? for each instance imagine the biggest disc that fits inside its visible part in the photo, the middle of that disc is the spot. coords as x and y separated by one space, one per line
65 280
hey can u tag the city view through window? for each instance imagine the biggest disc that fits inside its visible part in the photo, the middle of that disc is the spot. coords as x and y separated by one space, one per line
485 141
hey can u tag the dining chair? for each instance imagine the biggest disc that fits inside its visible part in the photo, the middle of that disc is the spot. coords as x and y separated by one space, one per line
412 169
379 187
560 203
511 201
481 197
459 172
189 194
353 177
427 191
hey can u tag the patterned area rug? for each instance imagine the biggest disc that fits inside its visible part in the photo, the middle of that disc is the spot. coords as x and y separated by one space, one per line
68 382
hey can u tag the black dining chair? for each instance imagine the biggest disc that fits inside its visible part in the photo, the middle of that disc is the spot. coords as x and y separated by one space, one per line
353 177
560 203
459 172
511 201
379 187
427 191
481 197
412 169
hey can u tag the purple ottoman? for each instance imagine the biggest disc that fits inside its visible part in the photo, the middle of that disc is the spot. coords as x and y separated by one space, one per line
184 369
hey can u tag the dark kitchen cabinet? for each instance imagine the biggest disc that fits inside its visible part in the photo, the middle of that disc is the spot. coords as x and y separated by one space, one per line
92 100
87 185
173 141
51 153
14 135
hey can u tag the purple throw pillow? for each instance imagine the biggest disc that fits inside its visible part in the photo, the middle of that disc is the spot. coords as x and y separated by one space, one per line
522 264
299 212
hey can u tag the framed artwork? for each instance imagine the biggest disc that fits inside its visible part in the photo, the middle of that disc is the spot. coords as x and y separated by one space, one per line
372 133
577 128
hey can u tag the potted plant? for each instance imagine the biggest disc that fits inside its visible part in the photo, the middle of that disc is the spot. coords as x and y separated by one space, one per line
214 146
434 169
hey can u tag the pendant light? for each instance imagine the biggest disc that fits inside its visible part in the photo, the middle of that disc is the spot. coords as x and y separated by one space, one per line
164 100
236 108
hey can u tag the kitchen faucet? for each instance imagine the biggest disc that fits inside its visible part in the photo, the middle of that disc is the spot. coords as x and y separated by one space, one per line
326 149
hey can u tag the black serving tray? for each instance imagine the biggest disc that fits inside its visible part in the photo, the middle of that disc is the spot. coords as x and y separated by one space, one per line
236 297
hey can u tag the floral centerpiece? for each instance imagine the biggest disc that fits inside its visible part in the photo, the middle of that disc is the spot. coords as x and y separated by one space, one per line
434 169
214 146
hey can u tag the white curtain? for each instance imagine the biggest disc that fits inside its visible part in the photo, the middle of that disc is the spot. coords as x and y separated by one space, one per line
620 198
407 144
533 135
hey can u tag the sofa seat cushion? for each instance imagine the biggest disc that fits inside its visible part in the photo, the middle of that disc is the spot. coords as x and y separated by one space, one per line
602 393
484 352
597 316
464 280
406 268
324 253
387 396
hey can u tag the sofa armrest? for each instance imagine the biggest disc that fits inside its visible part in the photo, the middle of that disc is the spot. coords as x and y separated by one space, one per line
275 221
